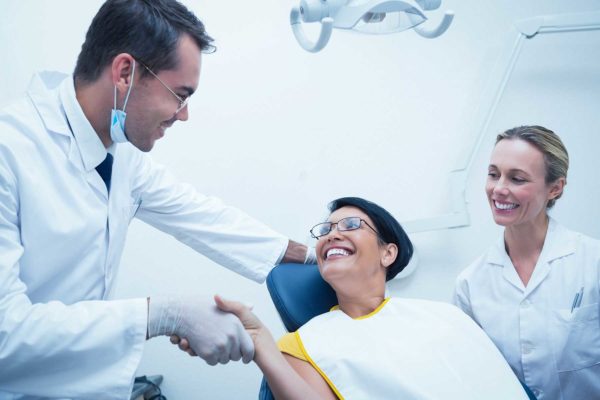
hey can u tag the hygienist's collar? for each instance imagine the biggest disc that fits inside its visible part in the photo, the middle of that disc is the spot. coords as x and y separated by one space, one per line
559 242
90 146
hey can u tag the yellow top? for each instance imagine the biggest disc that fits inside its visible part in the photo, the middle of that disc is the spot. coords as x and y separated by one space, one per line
289 344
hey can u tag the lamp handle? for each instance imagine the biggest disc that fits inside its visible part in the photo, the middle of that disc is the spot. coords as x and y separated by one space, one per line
441 28
326 28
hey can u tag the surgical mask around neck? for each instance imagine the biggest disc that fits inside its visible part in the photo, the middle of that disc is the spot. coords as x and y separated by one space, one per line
117 117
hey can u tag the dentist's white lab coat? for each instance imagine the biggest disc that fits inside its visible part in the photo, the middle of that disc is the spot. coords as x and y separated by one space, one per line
552 349
61 238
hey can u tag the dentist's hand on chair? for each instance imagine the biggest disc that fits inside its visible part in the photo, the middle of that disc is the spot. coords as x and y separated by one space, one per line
213 335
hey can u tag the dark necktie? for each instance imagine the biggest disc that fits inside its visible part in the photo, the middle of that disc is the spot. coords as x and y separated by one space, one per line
105 169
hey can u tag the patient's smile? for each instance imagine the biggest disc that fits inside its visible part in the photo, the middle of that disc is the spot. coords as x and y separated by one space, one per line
337 252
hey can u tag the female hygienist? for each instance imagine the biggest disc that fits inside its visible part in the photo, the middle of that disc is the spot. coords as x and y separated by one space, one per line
535 292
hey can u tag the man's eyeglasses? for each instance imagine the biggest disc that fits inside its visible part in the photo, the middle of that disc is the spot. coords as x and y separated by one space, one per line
182 101
344 224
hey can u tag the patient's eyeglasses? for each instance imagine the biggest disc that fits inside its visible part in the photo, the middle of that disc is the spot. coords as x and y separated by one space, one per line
182 101
343 225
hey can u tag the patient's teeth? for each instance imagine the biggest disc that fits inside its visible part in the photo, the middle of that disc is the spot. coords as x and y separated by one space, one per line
337 251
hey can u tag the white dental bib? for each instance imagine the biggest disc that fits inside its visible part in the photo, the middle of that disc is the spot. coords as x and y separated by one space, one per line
408 349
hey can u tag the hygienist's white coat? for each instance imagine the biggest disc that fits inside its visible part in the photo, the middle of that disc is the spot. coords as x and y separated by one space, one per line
61 239
556 352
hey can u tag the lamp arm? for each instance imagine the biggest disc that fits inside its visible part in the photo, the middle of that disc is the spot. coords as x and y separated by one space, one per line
326 29
441 28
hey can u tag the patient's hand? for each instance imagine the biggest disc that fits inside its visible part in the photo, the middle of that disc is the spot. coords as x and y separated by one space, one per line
183 345
287 380
258 332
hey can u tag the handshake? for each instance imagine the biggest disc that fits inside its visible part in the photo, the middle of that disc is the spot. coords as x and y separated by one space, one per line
216 332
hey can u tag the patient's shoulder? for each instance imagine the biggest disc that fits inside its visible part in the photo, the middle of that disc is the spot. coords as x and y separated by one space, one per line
290 344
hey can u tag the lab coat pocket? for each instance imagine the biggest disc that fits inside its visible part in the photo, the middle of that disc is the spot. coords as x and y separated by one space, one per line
580 333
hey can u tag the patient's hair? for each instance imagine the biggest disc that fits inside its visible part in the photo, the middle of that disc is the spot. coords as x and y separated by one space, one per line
149 30
388 227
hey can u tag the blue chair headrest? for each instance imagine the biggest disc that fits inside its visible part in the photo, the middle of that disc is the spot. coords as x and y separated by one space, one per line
299 293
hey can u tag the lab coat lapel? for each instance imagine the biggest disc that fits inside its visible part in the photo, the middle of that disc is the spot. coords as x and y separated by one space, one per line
97 183
44 95
47 95
87 150
498 256
559 243
541 270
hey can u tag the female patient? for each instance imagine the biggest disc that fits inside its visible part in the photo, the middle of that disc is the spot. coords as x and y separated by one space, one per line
372 347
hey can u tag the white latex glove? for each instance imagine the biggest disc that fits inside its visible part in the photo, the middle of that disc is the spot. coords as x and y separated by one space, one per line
214 335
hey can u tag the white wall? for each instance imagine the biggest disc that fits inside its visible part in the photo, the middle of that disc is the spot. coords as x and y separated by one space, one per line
280 132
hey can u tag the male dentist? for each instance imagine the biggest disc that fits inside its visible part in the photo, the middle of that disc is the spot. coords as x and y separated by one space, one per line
74 171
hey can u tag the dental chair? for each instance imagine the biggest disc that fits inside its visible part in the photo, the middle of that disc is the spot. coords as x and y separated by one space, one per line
299 293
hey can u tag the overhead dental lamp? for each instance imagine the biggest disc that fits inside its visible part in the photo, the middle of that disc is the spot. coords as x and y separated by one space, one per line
366 16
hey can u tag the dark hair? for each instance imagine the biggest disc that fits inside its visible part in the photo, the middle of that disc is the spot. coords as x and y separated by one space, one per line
388 227
147 29
556 157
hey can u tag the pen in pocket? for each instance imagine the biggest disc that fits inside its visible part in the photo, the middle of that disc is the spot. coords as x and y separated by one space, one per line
577 299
